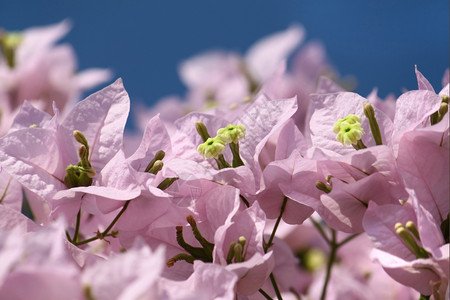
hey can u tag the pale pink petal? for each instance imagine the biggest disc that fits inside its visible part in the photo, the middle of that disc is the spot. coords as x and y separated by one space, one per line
92 77
417 274
101 117
155 138
130 275
379 223
208 69
29 115
423 161
329 108
253 272
207 282
344 207
33 157
264 57
37 39
422 82
11 219
10 191
413 110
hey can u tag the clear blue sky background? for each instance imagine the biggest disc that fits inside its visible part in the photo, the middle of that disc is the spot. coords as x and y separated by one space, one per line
378 42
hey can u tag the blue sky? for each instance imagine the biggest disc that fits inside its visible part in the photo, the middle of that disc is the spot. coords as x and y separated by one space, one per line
378 42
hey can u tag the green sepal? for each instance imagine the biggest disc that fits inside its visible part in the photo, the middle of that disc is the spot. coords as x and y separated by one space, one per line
76 176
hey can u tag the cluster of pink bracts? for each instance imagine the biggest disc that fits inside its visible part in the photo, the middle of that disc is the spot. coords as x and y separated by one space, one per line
262 183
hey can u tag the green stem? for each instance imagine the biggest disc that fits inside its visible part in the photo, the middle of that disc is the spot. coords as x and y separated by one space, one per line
116 218
369 112
320 229
245 201
265 294
94 238
106 232
269 244
237 161
331 260
272 236
275 286
359 145
433 120
424 297
68 237
6 190
221 162
77 227
347 239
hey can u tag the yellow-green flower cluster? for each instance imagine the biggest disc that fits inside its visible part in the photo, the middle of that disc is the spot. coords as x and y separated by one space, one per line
231 133
215 146
349 130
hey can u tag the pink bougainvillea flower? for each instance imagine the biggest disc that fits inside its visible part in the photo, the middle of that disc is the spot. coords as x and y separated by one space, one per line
423 160
263 58
261 119
215 70
215 213
208 281
257 265
280 177
412 110
309 64
153 201
341 188
286 272
386 105
39 260
209 201
357 179
220 80
353 275
130 275
38 157
11 219
329 108
423 272
34 68
10 191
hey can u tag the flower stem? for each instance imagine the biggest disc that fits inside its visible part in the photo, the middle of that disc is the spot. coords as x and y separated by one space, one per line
77 227
94 238
265 294
272 236
116 218
106 232
245 201
334 246
320 229
237 161
269 244
275 286
68 237
347 239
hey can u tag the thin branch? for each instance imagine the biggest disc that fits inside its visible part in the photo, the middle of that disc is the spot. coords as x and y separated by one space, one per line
265 294
272 236
320 229
275 286
106 232
77 226
331 260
